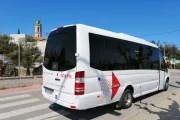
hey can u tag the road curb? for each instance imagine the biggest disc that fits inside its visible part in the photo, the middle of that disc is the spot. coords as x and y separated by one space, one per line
19 90
6 83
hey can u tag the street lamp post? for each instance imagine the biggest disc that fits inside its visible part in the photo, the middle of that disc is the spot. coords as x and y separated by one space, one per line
19 58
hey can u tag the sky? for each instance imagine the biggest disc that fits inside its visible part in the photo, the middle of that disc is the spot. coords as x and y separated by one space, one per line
133 17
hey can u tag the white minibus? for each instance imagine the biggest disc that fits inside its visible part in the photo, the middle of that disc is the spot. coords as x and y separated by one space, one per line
86 67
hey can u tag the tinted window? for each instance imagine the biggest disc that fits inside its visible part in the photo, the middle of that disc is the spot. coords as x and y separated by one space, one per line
60 49
97 52
140 52
162 62
108 53
120 54
145 57
154 59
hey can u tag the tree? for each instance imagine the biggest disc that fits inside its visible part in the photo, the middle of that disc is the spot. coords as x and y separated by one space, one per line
19 31
1 64
4 44
40 59
158 43
172 51
7 47
30 52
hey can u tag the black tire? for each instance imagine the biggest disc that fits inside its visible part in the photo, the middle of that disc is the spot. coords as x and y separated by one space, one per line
126 99
166 85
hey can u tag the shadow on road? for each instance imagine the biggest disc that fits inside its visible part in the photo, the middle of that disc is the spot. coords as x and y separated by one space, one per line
178 83
108 109
95 112
175 86
85 114
172 113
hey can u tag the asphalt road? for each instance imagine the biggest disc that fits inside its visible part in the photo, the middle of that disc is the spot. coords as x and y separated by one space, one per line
32 106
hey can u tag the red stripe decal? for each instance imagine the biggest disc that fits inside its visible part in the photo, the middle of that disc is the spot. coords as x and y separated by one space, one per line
115 85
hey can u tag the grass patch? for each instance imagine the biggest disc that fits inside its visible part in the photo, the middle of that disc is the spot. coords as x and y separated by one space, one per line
3 88
23 72
23 86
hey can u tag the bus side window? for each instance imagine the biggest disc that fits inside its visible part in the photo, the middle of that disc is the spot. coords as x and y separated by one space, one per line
162 62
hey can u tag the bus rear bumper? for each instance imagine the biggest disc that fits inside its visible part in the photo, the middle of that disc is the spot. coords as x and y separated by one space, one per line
62 103
82 102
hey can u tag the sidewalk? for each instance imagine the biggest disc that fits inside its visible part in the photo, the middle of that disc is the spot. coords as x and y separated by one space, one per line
167 109
19 90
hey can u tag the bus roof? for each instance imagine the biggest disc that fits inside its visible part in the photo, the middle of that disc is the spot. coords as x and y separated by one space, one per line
139 40
120 35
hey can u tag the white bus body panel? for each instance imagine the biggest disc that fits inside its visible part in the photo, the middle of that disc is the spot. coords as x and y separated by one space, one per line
63 89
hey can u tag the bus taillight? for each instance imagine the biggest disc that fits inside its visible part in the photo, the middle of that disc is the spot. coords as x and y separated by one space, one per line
79 83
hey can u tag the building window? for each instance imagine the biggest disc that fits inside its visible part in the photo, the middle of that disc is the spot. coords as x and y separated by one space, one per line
38 29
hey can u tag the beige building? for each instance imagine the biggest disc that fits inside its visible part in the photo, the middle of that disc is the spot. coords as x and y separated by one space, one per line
41 42
17 37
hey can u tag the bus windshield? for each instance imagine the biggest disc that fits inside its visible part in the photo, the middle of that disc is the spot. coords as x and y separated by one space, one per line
60 49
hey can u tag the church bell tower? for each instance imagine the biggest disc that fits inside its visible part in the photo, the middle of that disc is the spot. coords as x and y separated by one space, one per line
38 29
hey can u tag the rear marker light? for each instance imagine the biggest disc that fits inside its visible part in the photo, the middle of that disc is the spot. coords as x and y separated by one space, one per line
79 83
80 74
72 106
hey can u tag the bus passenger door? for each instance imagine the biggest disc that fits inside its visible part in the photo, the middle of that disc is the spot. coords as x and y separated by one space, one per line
161 72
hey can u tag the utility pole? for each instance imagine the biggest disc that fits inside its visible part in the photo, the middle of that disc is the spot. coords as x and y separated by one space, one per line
19 57
3 59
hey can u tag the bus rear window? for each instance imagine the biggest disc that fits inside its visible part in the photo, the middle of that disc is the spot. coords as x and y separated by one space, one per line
60 49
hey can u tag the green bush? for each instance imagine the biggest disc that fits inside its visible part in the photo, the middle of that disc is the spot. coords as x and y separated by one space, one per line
9 70
178 66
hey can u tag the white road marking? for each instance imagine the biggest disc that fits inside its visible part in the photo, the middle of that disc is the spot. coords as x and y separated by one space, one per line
51 115
14 97
23 111
18 103
20 92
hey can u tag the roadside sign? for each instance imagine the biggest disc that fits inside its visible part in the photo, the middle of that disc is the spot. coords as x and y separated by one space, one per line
173 60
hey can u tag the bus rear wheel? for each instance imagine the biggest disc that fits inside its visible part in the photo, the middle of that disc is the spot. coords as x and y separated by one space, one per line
126 100
166 86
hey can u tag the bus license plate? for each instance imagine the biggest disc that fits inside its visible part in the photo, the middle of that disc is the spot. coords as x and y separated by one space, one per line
49 91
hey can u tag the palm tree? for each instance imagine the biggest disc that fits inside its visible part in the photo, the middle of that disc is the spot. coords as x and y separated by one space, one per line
30 53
